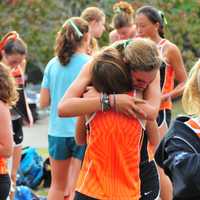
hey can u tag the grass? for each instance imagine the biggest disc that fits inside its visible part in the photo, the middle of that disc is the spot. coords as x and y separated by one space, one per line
177 108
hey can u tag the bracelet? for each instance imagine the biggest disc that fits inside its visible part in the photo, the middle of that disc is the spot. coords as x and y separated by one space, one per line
114 102
105 102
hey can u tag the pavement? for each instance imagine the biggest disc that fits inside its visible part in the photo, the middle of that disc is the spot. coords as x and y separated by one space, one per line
37 135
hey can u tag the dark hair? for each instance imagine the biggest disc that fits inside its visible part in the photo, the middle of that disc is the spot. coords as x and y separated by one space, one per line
123 16
109 73
11 43
154 16
69 38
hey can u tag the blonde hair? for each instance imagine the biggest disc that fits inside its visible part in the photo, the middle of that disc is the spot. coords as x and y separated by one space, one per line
191 94
142 55
8 89
92 13
123 16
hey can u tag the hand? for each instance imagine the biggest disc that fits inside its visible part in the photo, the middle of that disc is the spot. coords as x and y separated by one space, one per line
128 105
165 97
91 92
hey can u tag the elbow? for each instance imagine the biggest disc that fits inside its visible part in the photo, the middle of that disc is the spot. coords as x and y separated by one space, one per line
65 109
62 112
43 104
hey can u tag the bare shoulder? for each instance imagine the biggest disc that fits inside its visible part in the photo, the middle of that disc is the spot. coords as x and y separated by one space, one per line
171 47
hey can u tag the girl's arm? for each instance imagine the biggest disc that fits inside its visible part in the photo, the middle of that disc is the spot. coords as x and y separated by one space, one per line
152 95
173 56
80 136
72 105
6 138
153 133
44 98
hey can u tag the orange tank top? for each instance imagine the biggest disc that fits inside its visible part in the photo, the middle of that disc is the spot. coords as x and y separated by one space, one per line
110 169
166 77
3 166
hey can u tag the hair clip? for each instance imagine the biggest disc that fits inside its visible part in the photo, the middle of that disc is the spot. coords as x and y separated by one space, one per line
122 43
161 13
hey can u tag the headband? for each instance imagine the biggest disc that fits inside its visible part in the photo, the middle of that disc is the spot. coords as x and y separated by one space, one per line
10 36
71 23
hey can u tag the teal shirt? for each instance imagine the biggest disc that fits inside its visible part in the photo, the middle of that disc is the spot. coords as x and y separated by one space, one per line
57 78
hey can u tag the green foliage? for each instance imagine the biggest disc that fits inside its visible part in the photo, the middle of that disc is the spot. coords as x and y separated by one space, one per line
38 21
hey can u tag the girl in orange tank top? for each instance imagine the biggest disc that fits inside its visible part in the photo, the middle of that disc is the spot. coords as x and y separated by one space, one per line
110 168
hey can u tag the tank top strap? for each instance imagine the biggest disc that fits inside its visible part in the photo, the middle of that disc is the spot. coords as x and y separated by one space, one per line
88 119
194 124
161 46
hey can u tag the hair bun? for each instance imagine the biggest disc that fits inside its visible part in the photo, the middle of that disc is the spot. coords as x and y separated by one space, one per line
123 7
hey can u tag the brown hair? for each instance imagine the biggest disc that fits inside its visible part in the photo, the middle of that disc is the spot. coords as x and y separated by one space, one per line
11 43
8 91
69 38
123 16
191 94
92 13
110 74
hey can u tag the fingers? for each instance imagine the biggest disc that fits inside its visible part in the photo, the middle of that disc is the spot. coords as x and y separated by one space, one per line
136 100
139 111
130 113
89 88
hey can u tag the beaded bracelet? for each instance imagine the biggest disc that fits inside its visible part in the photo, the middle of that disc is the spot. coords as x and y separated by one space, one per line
105 102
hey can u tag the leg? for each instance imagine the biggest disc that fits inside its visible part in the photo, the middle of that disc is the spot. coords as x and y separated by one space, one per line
165 185
73 172
59 169
60 158
74 168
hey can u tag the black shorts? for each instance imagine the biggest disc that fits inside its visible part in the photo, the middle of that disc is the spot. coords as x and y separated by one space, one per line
164 116
17 131
79 196
149 176
150 186
4 186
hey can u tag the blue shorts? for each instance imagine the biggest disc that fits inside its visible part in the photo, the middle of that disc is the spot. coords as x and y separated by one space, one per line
62 148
